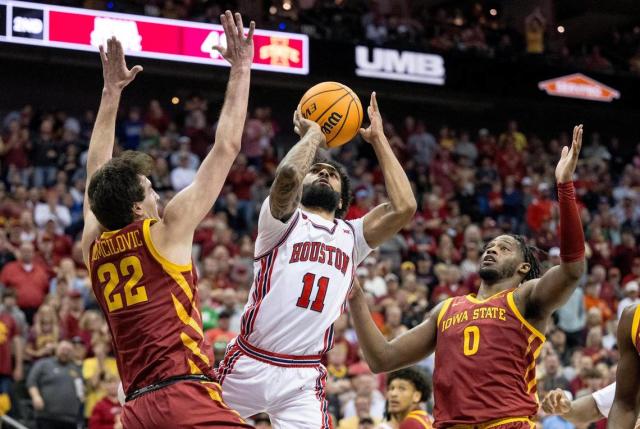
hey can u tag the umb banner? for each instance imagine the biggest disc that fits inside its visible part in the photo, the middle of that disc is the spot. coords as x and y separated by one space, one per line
167 39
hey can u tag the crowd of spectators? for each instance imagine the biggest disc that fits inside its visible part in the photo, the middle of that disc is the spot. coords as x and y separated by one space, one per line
471 185
476 28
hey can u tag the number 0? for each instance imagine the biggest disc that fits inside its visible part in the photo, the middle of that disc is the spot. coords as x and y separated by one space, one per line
471 348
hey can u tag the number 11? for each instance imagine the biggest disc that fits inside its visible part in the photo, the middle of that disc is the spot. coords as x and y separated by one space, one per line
318 304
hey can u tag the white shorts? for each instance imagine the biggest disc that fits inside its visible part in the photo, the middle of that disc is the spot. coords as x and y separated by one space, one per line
293 396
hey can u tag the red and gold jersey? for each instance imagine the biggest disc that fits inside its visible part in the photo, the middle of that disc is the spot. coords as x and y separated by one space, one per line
417 419
635 331
485 361
151 306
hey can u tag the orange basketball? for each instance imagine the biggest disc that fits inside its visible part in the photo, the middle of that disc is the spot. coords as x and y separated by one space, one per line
336 108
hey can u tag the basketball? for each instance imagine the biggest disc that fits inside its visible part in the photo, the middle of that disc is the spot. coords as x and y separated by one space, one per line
336 108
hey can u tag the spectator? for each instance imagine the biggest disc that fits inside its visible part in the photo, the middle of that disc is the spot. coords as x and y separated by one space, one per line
632 297
11 364
9 306
54 389
52 210
183 175
221 334
96 372
553 378
106 412
365 385
44 155
44 334
363 413
29 279
572 318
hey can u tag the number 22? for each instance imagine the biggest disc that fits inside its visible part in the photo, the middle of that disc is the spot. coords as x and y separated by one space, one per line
108 273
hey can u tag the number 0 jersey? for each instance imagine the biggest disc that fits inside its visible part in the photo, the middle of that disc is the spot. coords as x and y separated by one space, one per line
485 361
303 271
151 307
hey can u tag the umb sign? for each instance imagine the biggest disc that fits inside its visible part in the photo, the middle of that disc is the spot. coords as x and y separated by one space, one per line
143 36
409 66
579 86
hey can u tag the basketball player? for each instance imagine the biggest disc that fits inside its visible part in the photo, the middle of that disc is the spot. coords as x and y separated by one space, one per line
305 258
406 389
140 265
626 405
486 345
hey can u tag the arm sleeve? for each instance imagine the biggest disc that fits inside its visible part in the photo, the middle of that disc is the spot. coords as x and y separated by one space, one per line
604 399
270 229
362 247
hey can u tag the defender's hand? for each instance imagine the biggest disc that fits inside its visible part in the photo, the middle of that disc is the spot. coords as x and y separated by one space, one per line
375 130
114 68
569 159
556 402
239 50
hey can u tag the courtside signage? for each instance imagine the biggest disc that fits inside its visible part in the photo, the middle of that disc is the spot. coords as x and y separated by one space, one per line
392 64
142 36
578 85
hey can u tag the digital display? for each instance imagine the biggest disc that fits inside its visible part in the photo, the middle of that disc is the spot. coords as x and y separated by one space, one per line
166 39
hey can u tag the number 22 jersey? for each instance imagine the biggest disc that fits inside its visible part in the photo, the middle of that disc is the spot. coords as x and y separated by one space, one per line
303 271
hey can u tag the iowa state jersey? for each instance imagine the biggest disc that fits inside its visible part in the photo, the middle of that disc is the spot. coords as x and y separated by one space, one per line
150 305
635 328
484 361
303 270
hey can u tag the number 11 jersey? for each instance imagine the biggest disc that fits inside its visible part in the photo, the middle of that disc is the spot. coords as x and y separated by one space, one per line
303 271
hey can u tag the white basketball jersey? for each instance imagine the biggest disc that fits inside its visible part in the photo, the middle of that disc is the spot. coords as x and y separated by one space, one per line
303 271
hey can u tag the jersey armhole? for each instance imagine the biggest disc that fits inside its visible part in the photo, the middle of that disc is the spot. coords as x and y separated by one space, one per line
146 233
525 322
443 310
634 327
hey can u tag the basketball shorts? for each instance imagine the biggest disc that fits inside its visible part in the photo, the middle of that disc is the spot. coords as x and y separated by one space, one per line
291 393
187 404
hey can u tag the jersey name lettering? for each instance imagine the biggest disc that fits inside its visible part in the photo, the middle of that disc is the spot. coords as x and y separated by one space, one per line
478 313
321 253
117 244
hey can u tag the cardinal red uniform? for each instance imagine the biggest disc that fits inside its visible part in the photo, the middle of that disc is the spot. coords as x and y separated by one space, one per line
635 328
485 373
417 419
151 307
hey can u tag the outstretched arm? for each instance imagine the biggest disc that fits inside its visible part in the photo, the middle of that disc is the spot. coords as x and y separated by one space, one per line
187 209
626 404
286 189
581 411
385 220
116 77
556 286
382 355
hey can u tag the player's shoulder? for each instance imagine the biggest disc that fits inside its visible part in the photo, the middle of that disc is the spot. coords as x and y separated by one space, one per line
416 420
630 313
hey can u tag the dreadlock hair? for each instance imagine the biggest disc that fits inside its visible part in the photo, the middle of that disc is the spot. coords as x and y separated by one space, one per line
417 377
530 257
116 187
345 193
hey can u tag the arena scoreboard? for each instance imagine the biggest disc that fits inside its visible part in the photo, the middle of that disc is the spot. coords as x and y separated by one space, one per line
143 36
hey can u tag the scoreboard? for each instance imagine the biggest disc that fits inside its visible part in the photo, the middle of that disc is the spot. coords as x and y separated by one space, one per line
143 36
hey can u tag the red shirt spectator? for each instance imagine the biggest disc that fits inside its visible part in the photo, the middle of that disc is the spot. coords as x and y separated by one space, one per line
106 412
9 333
540 208
222 332
241 178
29 279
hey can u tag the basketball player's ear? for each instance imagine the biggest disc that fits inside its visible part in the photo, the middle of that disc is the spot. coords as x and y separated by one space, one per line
524 268
138 210
417 397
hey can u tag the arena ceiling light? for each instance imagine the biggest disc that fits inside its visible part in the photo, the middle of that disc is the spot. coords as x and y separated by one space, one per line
143 36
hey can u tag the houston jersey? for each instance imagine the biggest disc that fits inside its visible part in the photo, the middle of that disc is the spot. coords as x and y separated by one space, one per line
151 307
303 271
485 361
635 328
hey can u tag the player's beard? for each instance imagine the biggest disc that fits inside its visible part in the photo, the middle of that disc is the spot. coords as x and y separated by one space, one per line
320 197
495 273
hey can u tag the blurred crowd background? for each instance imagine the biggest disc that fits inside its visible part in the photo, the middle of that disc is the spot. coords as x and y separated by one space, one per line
471 184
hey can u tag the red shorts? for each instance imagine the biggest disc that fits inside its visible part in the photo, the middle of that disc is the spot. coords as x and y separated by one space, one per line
186 404
514 423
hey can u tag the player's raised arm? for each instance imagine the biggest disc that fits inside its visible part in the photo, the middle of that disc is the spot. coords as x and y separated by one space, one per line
382 355
385 220
554 288
116 77
185 211
626 404
286 189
